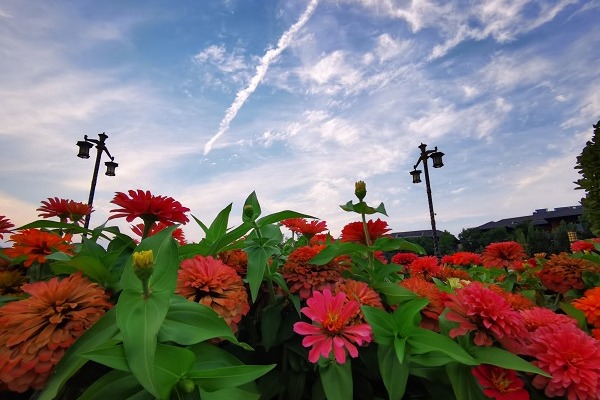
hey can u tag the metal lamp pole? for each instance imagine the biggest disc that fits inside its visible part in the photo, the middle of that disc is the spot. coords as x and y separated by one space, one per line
84 152
436 157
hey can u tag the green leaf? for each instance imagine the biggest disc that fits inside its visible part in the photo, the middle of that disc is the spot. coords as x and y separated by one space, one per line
210 356
221 378
400 348
382 324
104 329
218 227
113 357
394 293
270 322
408 315
464 383
231 393
393 372
188 323
170 365
280 216
337 249
575 313
115 385
257 262
336 379
505 359
386 243
91 266
229 238
251 209
201 225
425 341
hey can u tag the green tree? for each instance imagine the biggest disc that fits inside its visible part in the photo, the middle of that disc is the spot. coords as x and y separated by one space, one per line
470 240
588 164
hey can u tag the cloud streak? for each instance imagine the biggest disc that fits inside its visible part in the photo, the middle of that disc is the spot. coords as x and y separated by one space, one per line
261 70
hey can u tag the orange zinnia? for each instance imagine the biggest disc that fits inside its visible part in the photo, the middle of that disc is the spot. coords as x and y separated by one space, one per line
37 244
35 332
10 282
361 292
590 305
427 290
562 273
210 282
236 259
509 255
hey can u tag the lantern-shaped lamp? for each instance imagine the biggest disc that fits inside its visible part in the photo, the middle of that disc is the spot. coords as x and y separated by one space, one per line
436 157
416 175
110 168
84 149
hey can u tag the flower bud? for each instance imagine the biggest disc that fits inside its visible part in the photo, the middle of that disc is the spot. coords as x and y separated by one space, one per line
143 264
360 190
186 385
248 211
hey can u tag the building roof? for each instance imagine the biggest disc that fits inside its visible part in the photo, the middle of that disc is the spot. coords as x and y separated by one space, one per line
538 218
415 234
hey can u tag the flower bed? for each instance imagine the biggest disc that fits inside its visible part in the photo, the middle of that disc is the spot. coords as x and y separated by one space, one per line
247 313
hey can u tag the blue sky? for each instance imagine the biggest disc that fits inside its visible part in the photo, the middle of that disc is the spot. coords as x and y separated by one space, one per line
206 101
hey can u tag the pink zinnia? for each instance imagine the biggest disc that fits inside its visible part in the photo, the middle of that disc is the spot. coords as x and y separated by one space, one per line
332 331
477 308
537 317
571 357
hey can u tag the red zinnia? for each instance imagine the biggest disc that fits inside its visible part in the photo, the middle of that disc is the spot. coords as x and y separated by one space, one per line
37 244
64 209
210 282
304 278
35 332
5 226
149 208
582 245
404 258
157 227
477 308
426 267
465 259
571 357
304 227
562 272
590 305
509 255
355 231
333 331
429 291
499 383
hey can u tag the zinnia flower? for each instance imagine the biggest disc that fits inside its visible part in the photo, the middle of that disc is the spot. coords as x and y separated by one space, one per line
37 244
360 292
157 227
447 272
304 227
426 267
210 282
404 258
149 208
499 383
582 245
590 305
509 255
571 357
562 273
517 301
236 259
537 317
304 278
465 259
477 308
10 282
355 231
332 331
35 332
429 291
5 226
64 209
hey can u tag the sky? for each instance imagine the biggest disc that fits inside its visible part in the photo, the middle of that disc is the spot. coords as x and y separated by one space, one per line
207 101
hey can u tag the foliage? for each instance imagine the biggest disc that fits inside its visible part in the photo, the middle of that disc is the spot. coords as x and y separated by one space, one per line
588 164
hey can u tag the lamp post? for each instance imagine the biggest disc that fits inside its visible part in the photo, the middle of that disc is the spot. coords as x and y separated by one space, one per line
436 157
84 152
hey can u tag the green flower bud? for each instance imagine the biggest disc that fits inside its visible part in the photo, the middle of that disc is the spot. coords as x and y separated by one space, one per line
186 385
360 190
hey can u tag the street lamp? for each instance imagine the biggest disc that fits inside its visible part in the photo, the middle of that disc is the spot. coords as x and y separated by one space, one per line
436 158
84 152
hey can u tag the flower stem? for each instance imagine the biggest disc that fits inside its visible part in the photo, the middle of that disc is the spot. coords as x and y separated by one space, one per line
370 252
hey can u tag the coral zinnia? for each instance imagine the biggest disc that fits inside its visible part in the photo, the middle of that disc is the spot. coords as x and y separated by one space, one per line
562 273
429 291
582 245
571 357
304 227
304 278
590 305
64 209
157 227
210 282
10 282
426 267
5 226
35 332
499 383
355 231
37 244
477 308
360 292
537 317
332 332
509 255
404 258
149 208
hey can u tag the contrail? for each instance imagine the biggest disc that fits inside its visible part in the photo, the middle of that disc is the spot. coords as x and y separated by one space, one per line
261 70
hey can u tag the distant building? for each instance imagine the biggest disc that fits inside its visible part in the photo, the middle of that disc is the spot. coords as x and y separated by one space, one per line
428 233
541 218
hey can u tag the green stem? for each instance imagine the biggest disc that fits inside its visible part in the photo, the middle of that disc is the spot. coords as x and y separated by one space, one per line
147 226
146 288
370 253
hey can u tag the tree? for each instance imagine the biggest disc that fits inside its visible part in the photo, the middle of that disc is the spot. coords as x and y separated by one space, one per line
588 164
